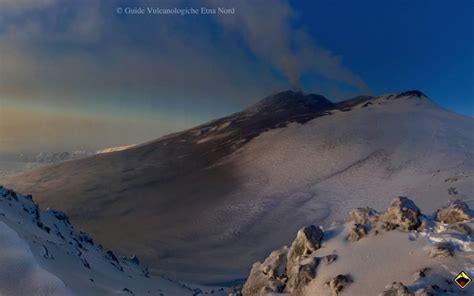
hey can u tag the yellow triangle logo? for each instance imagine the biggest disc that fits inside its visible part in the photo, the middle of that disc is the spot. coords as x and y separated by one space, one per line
462 280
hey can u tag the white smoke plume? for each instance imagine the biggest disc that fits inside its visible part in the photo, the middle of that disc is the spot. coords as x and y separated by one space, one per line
268 31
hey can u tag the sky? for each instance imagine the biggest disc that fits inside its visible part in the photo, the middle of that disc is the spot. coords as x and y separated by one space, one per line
89 75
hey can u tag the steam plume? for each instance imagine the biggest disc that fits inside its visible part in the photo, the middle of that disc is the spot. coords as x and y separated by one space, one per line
269 33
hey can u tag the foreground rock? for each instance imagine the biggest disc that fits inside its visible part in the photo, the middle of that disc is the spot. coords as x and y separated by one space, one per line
371 250
356 232
269 276
455 211
403 213
307 241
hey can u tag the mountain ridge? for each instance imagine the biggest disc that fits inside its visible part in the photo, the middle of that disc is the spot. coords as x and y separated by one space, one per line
207 196
43 248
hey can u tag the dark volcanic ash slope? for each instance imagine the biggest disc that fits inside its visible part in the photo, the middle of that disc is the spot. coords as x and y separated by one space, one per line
199 204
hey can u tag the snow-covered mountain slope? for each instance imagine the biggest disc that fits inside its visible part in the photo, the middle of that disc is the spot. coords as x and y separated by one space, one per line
42 254
398 252
207 200
114 149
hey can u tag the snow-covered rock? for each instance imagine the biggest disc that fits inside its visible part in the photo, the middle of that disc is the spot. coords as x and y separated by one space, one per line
356 232
455 211
406 260
268 276
403 213
307 241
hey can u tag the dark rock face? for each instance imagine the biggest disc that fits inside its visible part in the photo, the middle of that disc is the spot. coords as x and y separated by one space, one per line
455 211
403 213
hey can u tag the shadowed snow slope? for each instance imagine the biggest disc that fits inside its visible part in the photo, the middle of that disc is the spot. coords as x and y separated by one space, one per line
41 254
203 204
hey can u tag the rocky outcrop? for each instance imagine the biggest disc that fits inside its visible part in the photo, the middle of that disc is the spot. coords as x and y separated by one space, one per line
307 268
455 211
307 241
269 276
403 214
300 268
356 232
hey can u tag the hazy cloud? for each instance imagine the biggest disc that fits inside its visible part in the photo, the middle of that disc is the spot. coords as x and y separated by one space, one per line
78 55
69 48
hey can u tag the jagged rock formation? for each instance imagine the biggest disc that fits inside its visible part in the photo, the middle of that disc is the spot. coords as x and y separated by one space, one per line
307 241
269 275
297 270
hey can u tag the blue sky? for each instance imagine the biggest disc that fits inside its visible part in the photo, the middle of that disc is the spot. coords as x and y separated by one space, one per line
400 45
83 64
